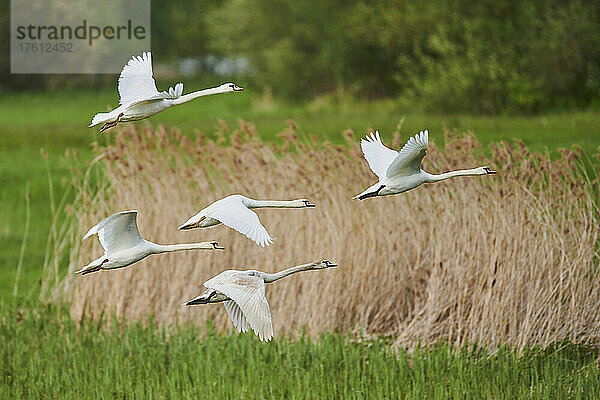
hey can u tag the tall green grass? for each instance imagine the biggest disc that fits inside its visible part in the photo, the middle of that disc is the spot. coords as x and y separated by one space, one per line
45 354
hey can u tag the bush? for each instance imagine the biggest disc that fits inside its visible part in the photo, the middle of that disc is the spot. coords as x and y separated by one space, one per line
445 55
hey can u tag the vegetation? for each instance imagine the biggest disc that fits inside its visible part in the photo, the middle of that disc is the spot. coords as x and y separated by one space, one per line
446 55
55 120
45 354
448 264
509 262
440 55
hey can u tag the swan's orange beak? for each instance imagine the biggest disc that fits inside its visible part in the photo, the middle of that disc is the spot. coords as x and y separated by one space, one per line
237 88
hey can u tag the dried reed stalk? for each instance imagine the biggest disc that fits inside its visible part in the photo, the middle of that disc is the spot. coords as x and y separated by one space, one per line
491 260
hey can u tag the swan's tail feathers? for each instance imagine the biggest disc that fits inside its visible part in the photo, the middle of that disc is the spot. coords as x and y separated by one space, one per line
102 118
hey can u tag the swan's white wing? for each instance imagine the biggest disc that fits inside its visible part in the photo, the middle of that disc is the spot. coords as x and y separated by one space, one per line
136 82
236 316
409 159
248 294
117 232
231 212
378 156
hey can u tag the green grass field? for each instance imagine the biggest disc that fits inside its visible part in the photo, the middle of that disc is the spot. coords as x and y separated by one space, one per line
48 357
56 120
45 355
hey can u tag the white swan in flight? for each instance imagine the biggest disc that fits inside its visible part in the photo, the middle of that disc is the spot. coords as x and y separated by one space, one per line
401 171
243 294
123 245
235 212
139 97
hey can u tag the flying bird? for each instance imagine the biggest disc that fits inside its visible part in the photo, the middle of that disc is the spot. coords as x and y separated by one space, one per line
235 211
139 97
243 295
123 244
401 171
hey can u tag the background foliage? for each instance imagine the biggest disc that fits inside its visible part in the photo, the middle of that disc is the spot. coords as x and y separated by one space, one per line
451 55
442 55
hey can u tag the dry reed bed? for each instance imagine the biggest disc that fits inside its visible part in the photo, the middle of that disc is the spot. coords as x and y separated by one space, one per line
510 258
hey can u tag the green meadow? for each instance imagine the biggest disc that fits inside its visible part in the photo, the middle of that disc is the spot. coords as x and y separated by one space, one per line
47 355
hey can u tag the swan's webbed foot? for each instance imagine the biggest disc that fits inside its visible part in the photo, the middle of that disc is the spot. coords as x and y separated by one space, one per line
109 125
204 298
89 271
85 270
191 226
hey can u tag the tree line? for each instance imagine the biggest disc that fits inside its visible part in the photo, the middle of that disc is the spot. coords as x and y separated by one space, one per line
445 55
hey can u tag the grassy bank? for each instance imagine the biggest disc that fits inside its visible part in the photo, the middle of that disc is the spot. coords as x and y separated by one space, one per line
47 355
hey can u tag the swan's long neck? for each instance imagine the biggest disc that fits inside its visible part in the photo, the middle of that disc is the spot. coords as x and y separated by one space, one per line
452 174
292 270
274 203
194 95
165 248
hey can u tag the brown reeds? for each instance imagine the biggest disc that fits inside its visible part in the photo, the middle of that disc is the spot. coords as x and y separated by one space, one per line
510 258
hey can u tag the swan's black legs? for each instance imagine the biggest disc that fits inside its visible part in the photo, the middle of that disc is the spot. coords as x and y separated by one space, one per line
109 125
89 271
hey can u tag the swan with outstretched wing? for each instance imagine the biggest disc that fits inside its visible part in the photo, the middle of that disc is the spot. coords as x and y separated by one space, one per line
123 245
139 98
243 295
235 211
399 171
